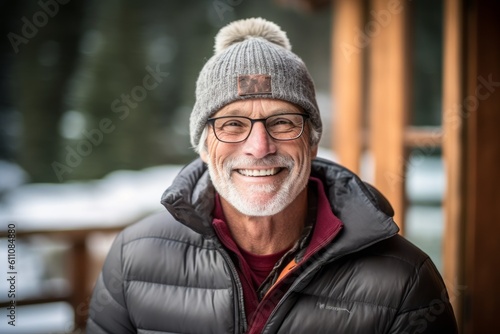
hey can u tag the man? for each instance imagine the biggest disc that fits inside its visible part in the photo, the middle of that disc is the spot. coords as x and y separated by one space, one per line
259 236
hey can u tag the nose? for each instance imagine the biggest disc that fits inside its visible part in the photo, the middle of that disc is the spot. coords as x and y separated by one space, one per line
259 144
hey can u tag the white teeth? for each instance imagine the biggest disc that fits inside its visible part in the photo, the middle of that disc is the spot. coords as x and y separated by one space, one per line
258 172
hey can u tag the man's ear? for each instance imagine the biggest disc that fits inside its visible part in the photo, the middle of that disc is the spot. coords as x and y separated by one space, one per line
204 155
314 151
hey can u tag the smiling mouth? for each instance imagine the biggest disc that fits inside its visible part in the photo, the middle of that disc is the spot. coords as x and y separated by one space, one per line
259 172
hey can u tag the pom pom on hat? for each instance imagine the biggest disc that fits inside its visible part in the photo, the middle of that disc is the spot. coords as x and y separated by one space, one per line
238 31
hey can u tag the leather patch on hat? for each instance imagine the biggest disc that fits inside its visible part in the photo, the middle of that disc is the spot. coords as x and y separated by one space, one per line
254 84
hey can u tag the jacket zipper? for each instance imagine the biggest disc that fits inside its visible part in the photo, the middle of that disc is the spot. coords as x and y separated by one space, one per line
239 292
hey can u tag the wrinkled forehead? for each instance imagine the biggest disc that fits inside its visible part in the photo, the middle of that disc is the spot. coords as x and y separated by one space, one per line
258 107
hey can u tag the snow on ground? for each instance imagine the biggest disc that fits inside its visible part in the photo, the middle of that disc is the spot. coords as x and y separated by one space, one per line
116 199
39 319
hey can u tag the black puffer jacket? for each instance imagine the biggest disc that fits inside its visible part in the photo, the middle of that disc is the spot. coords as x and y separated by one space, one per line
170 274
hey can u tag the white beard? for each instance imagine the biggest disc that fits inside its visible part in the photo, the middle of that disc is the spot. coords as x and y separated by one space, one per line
247 201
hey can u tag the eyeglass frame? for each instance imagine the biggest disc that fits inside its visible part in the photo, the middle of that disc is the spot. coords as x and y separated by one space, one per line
212 120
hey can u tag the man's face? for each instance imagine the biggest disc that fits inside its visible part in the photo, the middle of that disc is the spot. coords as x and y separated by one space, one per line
259 176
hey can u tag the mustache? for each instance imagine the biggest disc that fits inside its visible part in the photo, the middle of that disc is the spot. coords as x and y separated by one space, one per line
269 161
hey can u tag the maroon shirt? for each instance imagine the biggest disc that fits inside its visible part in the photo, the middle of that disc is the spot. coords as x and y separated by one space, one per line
254 269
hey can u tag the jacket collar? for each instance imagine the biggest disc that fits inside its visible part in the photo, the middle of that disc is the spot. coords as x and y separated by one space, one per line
365 213
190 198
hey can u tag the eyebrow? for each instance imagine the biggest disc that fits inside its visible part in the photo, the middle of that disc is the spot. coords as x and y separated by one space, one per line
231 112
278 111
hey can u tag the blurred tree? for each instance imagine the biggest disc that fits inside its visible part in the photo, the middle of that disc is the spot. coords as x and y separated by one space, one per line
133 73
46 41
427 63
110 89
9 10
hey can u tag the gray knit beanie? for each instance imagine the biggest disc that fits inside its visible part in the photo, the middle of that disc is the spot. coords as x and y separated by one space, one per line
252 60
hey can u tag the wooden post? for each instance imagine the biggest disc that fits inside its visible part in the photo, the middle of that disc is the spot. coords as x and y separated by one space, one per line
389 77
481 112
453 141
79 268
348 48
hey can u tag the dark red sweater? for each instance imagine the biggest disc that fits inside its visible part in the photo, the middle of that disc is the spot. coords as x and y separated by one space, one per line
253 269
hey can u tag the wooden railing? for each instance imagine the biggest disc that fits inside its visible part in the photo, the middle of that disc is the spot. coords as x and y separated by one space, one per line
81 273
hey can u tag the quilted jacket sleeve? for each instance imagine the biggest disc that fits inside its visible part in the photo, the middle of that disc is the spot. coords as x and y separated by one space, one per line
426 307
108 311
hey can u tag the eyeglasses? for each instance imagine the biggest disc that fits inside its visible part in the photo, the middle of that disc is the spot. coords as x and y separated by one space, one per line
235 129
